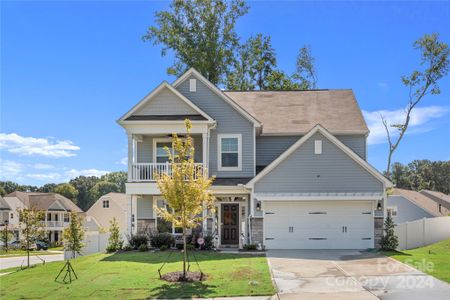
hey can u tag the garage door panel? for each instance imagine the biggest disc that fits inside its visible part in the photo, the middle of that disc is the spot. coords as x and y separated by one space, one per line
318 225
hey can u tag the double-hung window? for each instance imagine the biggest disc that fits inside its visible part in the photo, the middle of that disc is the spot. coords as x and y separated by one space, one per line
159 148
229 152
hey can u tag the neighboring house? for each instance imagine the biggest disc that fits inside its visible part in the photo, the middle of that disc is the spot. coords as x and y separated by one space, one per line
441 199
57 210
290 166
406 206
109 206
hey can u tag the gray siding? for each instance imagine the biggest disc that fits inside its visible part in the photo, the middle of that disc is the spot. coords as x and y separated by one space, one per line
166 103
406 210
145 207
355 142
268 148
145 148
228 121
331 171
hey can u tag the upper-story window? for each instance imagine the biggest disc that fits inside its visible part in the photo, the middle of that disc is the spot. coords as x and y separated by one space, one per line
160 153
229 152
105 203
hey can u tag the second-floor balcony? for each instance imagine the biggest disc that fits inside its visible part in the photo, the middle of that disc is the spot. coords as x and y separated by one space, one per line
142 172
54 223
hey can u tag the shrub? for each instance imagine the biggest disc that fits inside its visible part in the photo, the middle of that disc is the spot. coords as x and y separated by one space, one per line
110 249
143 248
161 239
208 245
127 248
389 241
190 247
250 247
163 248
136 240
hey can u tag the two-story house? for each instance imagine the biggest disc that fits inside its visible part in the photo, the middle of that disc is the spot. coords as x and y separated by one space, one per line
56 210
290 166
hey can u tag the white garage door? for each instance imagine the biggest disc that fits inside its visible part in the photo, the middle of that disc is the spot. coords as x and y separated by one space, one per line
318 225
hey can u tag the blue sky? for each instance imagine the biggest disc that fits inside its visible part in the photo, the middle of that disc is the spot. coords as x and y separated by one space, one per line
69 70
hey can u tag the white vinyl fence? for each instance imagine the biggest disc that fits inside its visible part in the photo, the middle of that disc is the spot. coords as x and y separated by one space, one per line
422 232
94 242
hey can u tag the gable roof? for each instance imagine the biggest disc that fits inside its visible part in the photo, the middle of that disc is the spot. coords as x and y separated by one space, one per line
437 196
422 201
44 201
217 91
149 97
296 112
331 138
4 205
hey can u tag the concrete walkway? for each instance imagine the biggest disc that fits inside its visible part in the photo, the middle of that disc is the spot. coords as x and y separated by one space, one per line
11 262
349 274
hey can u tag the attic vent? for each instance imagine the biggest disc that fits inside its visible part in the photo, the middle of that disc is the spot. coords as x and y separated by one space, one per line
318 147
192 85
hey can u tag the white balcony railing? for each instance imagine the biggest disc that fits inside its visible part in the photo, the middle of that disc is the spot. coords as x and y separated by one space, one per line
147 171
54 223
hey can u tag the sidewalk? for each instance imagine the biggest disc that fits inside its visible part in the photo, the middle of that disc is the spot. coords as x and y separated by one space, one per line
11 262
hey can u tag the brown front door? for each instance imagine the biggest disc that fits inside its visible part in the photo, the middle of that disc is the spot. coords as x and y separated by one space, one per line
230 224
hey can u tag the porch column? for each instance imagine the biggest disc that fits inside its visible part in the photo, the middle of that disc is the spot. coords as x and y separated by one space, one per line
130 157
129 213
205 149
134 204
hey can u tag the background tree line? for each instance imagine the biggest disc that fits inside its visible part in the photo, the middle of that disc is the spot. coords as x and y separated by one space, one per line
201 34
82 190
422 175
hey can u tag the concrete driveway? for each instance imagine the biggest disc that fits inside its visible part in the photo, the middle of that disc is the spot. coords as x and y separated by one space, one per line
10 262
349 274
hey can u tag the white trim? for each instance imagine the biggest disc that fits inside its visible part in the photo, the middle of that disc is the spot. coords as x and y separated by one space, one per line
331 138
147 98
159 140
318 147
254 152
219 151
192 85
317 198
227 99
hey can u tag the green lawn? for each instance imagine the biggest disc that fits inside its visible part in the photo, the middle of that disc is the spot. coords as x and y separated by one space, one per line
437 254
15 253
134 275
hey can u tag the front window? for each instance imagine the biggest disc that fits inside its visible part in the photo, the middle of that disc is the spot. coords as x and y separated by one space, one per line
164 226
105 203
229 152
161 154
66 218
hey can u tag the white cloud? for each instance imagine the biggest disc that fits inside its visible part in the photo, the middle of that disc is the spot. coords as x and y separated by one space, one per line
40 166
87 172
9 169
48 176
28 146
419 123
124 161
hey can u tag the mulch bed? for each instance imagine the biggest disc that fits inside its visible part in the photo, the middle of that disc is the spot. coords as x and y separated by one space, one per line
178 276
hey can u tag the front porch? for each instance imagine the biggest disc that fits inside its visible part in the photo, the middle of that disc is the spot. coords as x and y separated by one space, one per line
228 224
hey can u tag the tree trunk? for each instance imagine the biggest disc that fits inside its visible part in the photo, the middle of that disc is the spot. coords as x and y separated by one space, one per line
184 254
388 168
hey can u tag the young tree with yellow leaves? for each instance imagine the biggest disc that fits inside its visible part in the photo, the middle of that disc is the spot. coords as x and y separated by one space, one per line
185 189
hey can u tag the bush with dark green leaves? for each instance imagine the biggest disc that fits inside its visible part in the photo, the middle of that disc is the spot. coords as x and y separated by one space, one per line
161 239
250 247
389 241
127 248
143 248
209 243
136 240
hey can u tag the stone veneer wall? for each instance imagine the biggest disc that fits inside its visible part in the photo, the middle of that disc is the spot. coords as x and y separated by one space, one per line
257 230
145 226
378 230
